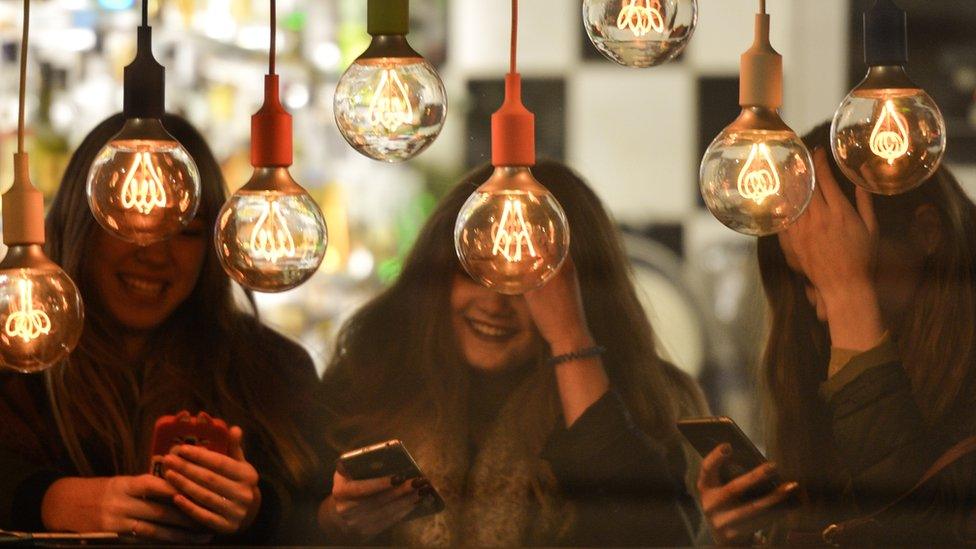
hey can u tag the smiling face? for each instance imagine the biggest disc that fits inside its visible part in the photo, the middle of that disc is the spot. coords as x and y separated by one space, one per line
142 286
494 332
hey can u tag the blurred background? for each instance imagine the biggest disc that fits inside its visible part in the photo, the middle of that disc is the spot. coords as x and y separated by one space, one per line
636 135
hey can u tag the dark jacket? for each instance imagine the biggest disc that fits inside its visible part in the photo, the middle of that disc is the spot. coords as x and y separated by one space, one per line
885 446
627 488
33 456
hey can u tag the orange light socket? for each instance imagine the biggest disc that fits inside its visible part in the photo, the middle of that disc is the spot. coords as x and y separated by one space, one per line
271 133
23 208
761 71
513 128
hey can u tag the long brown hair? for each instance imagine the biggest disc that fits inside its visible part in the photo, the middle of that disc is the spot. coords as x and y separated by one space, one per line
205 354
397 357
936 337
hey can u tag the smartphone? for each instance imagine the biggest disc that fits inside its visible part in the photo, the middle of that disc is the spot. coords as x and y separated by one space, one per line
387 459
705 433
184 428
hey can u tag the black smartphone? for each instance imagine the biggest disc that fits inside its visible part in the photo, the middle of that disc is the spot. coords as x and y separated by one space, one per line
705 433
387 459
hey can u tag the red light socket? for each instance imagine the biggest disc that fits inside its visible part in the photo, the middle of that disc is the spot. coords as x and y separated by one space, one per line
271 133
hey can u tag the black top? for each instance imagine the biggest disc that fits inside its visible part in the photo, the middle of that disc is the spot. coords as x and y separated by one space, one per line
33 456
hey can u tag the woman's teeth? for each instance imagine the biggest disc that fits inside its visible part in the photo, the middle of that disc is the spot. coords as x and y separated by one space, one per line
142 286
490 330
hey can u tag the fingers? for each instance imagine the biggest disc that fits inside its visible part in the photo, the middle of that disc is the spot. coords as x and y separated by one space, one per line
753 514
832 194
865 208
226 466
203 477
733 491
149 530
350 505
377 520
711 466
351 489
149 486
206 517
159 513
236 444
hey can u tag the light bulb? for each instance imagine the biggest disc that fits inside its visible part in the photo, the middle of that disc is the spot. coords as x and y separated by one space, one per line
390 109
270 235
511 235
41 313
757 181
640 33
888 135
143 186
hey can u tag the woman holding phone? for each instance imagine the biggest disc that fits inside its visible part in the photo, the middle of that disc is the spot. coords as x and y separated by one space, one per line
163 332
869 364
530 432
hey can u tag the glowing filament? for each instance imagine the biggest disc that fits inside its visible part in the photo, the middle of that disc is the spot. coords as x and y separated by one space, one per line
512 232
270 238
641 16
390 106
143 187
758 178
25 321
889 138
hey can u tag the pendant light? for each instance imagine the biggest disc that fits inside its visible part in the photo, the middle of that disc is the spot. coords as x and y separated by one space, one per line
270 235
888 135
41 313
640 33
512 235
143 186
390 104
757 175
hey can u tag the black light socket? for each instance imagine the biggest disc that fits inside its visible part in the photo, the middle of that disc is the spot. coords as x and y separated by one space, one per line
885 35
144 81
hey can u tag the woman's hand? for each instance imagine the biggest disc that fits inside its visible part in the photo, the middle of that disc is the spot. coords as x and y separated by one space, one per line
362 509
835 246
732 520
219 492
137 506
557 310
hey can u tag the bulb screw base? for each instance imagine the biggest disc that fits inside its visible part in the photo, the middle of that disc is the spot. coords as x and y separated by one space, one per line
144 81
761 71
387 17
513 128
23 208
271 130
885 35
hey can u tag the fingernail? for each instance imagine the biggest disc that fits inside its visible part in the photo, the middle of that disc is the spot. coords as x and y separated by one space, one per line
419 482
397 480
726 450
770 469
790 486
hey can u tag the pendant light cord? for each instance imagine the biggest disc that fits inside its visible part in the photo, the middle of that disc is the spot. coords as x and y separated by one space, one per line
274 28
23 79
762 7
145 13
514 47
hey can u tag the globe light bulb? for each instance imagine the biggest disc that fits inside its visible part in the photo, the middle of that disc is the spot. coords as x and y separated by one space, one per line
511 235
270 234
888 136
390 104
143 186
640 33
756 181
41 313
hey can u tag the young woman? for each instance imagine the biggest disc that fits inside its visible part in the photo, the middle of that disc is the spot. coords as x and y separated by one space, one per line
869 364
523 452
163 333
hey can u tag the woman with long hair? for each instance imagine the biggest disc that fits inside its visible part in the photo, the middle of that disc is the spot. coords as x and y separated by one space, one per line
584 451
164 332
869 366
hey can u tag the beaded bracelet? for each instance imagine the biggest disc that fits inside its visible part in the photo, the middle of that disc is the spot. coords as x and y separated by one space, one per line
588 352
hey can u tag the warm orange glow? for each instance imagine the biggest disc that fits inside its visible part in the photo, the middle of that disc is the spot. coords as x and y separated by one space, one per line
24 320
512 232
641 16
889 138
758 179
390 106
143 187
270 238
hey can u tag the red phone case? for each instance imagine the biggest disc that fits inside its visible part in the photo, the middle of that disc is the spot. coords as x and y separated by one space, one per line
184 428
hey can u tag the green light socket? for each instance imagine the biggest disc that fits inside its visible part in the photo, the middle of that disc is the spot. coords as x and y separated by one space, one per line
387 17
